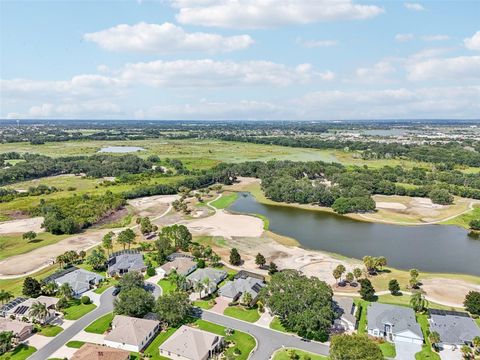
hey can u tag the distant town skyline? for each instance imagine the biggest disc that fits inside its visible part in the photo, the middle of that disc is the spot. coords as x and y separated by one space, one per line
244 59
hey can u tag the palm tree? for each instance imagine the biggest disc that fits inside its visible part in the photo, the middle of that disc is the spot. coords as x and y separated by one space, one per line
5 296
466 352
50 288
38 311
476 342
198 287
418 302
65 291
434 337
357 272
60 260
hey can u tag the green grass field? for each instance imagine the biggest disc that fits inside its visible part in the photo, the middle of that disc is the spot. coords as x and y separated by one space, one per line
11 245
49 330
427 353
225 201
152 350
284 354
244 342
15 285
100 325
167 286
76 310
277 325
238 312
75 344
21 352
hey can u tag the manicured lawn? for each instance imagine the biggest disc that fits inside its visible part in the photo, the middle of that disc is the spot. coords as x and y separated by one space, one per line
362 323
244 342
478 321
284 354
21 352
100 325
277 325
49 330
105 285
238 312
75 344
225 200
167 286
427 353
152 349
76 310
14 244
388 349
203 304
15 285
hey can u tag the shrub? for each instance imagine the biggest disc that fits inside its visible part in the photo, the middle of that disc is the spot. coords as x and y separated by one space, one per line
85 300
472 302
62 303
151 271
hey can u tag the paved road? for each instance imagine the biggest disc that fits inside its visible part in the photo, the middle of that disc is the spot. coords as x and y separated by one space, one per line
106 306
268 341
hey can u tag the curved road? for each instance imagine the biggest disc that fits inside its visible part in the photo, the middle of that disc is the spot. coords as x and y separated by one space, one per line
106 306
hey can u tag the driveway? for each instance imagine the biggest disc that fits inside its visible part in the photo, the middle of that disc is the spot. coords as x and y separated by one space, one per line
221 304
406 351
449 354
268 340
106 306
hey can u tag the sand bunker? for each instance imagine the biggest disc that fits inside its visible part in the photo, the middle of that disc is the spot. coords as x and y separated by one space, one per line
227 225
448 290
390 205
26 263
152 205
22 225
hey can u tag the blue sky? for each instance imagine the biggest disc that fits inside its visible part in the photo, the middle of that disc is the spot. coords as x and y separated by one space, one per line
240 59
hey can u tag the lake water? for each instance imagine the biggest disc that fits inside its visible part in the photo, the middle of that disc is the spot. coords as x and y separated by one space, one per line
432 248
120 149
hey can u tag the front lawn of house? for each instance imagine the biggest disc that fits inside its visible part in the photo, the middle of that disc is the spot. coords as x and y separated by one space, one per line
76 309
284 354
241 313
75 344
21 352
101 325
49 330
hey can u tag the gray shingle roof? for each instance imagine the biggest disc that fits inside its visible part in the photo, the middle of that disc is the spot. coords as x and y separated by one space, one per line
240 286
214 275
344 308
126 262
401 318
80 280
454 329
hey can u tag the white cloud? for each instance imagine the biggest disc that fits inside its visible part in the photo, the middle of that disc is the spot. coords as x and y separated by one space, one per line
414 6
457 68
379 72
80 86
166 38
435 37
315 43
79 110
473 43
404 37
211 73
269 13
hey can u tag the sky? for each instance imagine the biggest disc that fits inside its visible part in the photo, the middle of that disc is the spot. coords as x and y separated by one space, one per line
239 59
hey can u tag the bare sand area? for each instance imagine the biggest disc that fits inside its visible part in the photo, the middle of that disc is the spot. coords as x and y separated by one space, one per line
22 225
226 225
152 205
26 263
451 291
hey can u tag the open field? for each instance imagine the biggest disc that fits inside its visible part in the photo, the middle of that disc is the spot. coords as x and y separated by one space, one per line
69 185
11 245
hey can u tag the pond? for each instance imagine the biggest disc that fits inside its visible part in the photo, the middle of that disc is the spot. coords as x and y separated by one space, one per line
120 149
431 248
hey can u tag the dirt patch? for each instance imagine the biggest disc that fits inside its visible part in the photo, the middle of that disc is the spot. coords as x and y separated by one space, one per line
114 216
152 205
390 205
448 290
226 225
22 225
25 263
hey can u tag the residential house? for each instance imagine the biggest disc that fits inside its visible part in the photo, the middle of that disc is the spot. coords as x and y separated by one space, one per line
80 280
393 323
20 329
182 265
455 328
214 277
189 343
244 282
344 309
122 262
20 308
98 352
131 334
